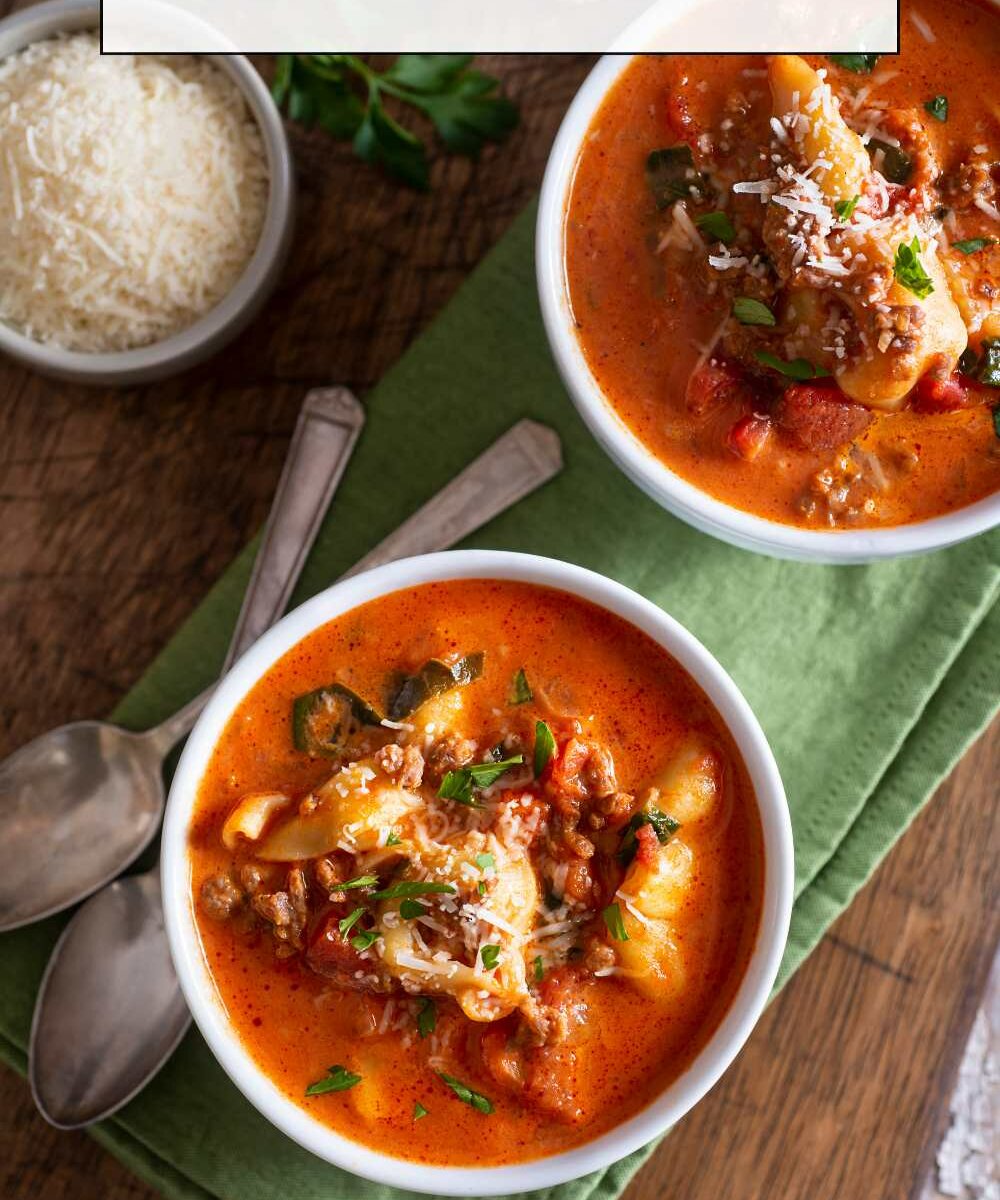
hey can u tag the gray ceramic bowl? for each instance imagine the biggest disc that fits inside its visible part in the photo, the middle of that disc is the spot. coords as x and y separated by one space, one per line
222 323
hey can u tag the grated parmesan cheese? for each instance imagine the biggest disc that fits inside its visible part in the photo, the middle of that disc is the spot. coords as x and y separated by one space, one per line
132 193
987 207
922 26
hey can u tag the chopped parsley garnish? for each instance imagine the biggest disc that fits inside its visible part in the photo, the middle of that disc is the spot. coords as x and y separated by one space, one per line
345 95
490 956
748 311
476 1099
845 208
459 785
362 881
717 225
890 161
409 910
365 940
393 839
433 678
348 922
486 862
909 270
973 245
412 887
419 1111
324 720
545 744
663 826
671 176
539 969
860 64
968 360
937 106
616 926
989 365
996 420
337 1079
520 689
427 1017
481 888
798 368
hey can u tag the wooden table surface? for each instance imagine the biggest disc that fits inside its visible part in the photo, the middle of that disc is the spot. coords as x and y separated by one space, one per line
119 509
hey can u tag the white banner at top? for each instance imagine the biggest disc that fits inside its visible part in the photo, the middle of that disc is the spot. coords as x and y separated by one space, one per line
593 26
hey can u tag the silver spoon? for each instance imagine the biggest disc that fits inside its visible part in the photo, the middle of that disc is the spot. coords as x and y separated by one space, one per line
79 804
110 1011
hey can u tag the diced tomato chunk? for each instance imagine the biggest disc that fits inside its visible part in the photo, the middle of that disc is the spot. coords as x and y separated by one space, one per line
563 769
646 844
561 988
330 954
555 1082
937 394
502 1056
749 436
820 416
682 123
711 385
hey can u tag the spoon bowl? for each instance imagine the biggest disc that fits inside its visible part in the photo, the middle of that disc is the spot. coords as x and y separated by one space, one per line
92 795
105 1032
78 805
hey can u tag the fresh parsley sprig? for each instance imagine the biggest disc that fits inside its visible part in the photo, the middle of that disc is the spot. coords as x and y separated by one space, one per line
937 106
461 784
845 208
798 368
749 311
663 826
475 1099
909 270
616 926
860 64
346 96
717 225
337 1079
973 245
545 746
427 1017
490 956
413 887
520 691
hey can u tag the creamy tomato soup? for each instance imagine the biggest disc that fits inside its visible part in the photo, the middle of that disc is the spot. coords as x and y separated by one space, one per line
477 871
785 271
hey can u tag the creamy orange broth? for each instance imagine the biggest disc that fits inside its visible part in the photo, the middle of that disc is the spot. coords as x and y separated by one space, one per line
638 701
641 322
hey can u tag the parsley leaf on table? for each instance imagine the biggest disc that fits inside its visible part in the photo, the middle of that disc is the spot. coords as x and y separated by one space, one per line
344 95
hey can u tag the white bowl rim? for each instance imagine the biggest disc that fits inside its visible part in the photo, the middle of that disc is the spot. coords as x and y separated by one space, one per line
240 304
735 1026
669 489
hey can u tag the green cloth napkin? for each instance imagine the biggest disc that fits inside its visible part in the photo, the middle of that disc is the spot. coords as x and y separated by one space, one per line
869 681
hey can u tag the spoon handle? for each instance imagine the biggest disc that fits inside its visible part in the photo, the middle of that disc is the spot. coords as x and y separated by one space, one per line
325 435
525 457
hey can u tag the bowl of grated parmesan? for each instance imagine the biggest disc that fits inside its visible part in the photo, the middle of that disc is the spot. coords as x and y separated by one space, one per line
146 202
